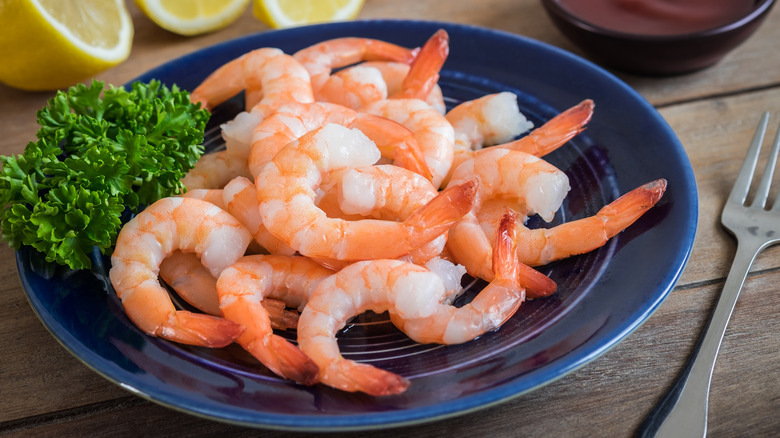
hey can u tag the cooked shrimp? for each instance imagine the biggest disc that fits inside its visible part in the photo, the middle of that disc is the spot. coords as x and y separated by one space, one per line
380 192
213 171
184 272
394 73
532 184
290 122
432 131
321 58
242 288
169 224
287 189
240 199
495 119
492 306
544 245
406 289
371 81
281 78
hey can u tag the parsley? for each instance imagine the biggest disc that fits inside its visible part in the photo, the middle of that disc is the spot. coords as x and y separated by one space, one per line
99 152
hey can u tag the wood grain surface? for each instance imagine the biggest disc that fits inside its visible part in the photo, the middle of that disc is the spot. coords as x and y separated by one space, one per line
45 391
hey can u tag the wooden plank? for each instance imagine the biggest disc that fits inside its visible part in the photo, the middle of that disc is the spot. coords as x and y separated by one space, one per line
716 134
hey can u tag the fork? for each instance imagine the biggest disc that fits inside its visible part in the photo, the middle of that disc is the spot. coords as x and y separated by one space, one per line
683 410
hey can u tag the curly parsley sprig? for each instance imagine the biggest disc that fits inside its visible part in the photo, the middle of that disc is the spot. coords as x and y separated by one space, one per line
99 151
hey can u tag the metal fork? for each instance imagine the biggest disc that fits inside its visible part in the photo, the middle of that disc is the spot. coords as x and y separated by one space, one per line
683 410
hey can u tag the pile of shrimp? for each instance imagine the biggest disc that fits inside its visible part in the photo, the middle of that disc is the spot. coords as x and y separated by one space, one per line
346 186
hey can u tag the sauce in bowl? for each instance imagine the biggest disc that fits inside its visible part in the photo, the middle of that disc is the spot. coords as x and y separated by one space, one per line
659 17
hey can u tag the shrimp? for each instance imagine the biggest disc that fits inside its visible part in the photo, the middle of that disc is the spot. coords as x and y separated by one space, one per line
495 119
239 198
287 189
184 272
242 289
544 245
213 171
494 304
281 78
408 290
321 58
532 184
380 192
169 224
292 121
372 81
432 131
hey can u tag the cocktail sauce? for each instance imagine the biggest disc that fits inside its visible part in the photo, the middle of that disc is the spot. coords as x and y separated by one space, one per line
659 17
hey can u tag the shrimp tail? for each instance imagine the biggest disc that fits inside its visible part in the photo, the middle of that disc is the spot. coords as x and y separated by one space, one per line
281 318
200 329
507 264
284 359
424 72
556 132
352 376
442 212
625 210
541 246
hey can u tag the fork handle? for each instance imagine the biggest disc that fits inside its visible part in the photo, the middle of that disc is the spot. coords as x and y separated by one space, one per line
683 410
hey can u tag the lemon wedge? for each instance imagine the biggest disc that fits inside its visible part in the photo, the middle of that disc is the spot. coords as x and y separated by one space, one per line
288 13
50 44
193 17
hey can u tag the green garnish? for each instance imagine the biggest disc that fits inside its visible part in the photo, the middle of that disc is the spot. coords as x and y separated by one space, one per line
99 152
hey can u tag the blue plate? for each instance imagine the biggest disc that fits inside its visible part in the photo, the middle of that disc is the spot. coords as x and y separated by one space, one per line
602 297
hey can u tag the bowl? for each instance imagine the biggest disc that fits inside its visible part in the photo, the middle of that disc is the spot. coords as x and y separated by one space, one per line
650 37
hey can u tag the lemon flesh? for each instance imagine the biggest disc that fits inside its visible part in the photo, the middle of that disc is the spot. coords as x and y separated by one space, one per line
51 44
289 13
193 17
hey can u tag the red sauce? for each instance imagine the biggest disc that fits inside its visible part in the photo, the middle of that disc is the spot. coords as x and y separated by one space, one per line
659 17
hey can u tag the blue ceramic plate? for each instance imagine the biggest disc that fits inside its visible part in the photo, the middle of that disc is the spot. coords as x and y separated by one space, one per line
602 297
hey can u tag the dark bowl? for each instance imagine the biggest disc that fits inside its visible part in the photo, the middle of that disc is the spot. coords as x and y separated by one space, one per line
656 54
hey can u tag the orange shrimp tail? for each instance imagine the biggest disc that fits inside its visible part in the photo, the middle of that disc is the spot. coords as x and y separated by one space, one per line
281 318
442 212
394 140
556 132
353 376
506 263
285 359
199 329
625 210
424 72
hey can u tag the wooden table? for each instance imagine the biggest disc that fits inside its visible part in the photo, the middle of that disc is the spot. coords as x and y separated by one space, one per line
44 391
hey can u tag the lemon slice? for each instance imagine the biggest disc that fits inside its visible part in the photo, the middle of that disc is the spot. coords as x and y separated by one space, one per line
288 13
50 44
193 17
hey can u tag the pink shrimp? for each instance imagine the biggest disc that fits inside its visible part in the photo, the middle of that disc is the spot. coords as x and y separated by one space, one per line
287 189
534 185
184 272
380 192
544 245
406 289
432 131
167 225
242 288
372 81
292 121
213 171
320 59
494 304
281 78
484 122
